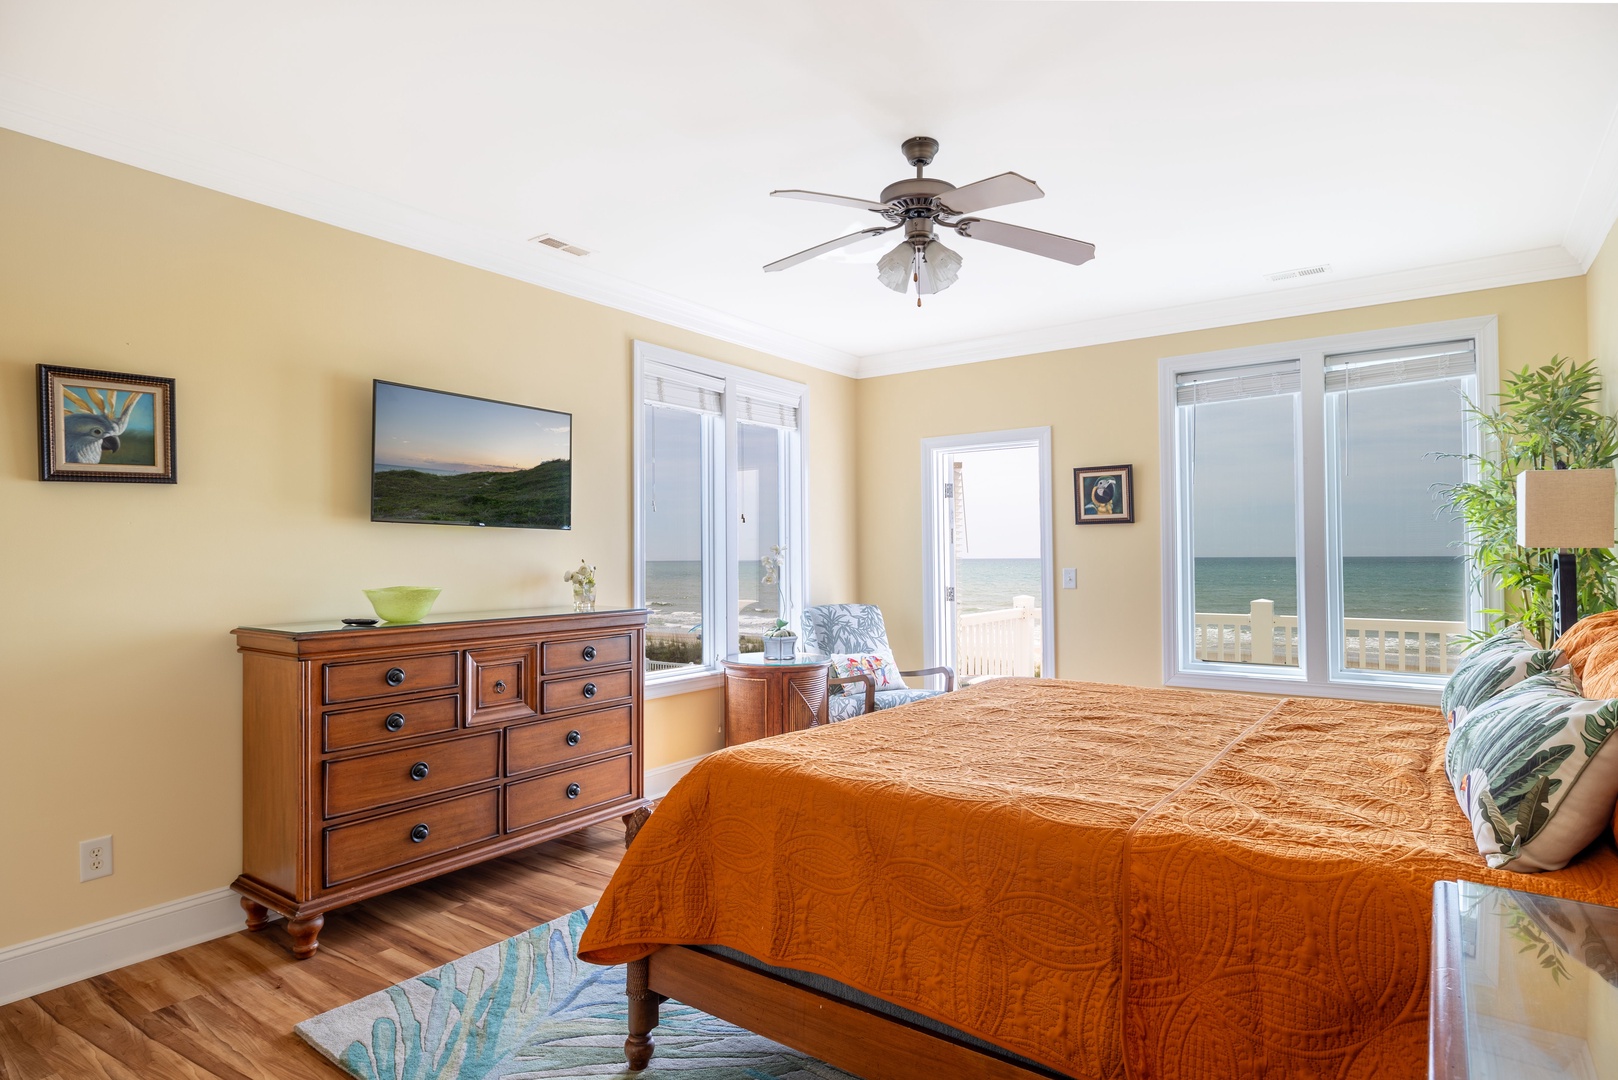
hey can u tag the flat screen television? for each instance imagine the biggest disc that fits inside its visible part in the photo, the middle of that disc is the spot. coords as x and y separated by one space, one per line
449 459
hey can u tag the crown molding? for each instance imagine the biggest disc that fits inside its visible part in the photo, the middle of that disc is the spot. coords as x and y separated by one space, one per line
1519 268
98 129
1597 209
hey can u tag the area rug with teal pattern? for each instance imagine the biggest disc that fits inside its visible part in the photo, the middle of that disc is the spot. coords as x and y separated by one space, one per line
529 1008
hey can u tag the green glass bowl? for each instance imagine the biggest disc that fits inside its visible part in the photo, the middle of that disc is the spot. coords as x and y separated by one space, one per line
402 603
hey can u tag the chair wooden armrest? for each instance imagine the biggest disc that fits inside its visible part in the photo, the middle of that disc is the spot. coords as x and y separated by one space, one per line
870 689
948 673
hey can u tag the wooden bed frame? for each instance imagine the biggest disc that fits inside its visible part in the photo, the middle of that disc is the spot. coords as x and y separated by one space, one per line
851 1037
862 1041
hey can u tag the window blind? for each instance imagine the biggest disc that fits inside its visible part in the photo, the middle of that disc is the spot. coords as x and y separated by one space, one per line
753 407
1236 383
681 389
1391 367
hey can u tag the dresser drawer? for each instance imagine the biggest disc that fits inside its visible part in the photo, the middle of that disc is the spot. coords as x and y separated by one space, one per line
380 678
603 689
410 773
502 684
553 742
570 791
586 654
389 723
370 847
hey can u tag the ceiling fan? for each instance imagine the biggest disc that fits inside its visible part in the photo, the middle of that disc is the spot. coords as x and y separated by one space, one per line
920 204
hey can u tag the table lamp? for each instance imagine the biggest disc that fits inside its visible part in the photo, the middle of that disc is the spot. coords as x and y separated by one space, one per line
1565 509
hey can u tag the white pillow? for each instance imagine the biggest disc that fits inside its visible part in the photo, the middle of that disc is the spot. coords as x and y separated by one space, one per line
879 665
1536 769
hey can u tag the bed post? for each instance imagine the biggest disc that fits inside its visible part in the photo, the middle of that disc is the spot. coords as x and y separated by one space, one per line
633 822
642 1015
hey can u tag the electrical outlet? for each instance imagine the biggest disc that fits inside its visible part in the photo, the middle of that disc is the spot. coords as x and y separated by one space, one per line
95 858
1070 578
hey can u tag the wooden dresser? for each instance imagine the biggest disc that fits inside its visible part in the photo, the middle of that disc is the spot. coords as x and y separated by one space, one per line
376 757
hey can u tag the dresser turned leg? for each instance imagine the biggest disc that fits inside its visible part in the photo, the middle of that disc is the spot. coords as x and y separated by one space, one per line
304 930
258 916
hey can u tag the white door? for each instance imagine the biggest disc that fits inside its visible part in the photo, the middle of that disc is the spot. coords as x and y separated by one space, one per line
987 554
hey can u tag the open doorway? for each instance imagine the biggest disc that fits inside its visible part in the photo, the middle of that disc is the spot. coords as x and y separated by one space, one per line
986 513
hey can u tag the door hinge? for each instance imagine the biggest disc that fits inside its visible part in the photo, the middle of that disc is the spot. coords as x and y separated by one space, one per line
949 594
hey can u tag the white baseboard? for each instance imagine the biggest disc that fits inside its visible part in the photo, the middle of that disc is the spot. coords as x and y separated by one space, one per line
660 780
48 962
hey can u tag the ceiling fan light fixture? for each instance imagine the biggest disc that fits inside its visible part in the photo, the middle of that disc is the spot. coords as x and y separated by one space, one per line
944 264
895 268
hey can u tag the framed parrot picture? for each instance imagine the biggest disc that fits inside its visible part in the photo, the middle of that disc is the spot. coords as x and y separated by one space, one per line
105 426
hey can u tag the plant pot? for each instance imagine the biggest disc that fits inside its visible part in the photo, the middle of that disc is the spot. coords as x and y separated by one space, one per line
782 647
584 597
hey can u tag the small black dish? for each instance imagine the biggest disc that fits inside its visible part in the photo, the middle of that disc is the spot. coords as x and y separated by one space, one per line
361 622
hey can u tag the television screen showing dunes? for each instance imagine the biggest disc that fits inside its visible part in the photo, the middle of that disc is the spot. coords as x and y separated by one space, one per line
447 459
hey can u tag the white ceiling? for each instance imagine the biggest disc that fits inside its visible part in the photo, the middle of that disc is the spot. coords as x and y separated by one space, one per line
1418 149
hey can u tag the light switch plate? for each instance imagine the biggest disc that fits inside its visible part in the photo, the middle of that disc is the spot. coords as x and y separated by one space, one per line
1070 577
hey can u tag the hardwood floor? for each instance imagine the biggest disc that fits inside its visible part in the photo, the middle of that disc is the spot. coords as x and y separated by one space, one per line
226 1008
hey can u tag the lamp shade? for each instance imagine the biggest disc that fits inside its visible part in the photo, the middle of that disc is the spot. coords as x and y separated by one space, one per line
1565 508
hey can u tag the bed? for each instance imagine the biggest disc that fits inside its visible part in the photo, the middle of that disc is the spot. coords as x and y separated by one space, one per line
1036 878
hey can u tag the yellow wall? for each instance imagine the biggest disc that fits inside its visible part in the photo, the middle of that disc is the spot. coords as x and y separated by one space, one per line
1601 292
1101 405
122 694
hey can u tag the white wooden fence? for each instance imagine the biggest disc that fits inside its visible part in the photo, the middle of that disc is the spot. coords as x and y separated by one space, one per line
1260 636
1003 642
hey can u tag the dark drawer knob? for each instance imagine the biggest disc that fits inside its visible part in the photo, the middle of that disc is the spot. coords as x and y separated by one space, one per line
418 834
589 652
573 738
396 675
573 791
418 771
395 721
500 686
589 689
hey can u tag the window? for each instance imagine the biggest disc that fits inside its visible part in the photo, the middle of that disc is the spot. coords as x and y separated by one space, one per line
719 490
1306 544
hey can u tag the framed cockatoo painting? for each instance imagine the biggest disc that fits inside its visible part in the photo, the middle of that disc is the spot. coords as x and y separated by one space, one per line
105 426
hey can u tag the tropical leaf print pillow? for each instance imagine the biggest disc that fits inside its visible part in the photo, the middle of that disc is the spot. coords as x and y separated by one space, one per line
1496 662
1536 770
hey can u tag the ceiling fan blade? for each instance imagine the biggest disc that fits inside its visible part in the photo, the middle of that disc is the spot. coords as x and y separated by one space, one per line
1000 190
1047 244
835 200
820 249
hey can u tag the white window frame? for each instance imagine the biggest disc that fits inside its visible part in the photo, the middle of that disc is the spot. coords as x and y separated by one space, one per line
1313 676
719 497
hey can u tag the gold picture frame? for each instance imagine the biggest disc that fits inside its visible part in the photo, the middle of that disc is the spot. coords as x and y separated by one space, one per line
105 426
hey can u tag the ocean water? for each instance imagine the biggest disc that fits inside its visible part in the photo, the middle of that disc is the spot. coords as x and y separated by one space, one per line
1389 588
1373 588
674 590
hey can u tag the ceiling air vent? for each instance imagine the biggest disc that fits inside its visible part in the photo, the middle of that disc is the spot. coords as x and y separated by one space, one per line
1300 272
560 245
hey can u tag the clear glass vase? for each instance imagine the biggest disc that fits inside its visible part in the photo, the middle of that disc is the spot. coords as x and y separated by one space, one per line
584 596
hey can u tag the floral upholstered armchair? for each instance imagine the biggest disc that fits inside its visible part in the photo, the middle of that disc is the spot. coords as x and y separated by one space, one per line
864 676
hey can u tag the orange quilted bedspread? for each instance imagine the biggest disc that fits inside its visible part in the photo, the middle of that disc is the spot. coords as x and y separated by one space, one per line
1112 881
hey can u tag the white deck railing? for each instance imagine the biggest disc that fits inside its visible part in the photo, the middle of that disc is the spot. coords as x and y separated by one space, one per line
1380 644
1003 642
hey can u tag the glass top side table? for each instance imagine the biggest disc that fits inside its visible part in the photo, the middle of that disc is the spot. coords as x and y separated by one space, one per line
1524 986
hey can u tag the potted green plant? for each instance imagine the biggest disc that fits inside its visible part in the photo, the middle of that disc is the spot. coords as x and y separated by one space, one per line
780 643
1544 417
